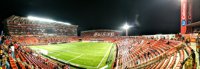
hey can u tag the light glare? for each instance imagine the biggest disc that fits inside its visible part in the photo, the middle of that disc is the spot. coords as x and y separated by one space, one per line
46 20
63 23
126 26
40 19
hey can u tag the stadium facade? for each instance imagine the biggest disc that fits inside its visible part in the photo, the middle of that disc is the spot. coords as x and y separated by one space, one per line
101 33
16 25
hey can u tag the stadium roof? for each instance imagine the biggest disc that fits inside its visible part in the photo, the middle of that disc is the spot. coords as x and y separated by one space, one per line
46 20
40 19
194 24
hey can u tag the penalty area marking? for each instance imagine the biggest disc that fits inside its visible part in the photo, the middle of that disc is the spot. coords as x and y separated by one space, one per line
104 56
67 51
75 58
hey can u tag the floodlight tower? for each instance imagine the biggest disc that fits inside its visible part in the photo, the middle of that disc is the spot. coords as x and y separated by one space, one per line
126 28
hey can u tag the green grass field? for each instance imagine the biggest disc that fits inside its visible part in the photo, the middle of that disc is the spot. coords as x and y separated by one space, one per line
90 55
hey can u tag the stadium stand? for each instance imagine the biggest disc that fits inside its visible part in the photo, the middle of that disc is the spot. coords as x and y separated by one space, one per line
151 53
17 25
132 52
26 58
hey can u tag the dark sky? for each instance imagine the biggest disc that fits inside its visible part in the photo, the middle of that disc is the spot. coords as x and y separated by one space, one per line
155 16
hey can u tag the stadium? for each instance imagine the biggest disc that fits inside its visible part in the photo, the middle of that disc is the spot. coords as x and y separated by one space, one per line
39 43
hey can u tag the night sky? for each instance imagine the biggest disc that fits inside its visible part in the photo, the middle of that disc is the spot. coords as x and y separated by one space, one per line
154 16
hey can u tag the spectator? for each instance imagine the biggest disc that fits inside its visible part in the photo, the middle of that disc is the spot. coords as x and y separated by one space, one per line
1 55
182 38
12 49
167 42
187 41
0 40
16 45
198 45
198 40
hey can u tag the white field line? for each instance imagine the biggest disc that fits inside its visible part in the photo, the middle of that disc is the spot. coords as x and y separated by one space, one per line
83 65
65 51
104 67
76 64
71 51
75 57
57 55
104 56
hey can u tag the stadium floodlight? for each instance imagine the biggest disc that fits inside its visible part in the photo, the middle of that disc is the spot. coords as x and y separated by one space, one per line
46 20
126 27
40 19
63 23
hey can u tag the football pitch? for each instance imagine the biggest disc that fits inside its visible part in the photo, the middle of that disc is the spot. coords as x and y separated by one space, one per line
92 55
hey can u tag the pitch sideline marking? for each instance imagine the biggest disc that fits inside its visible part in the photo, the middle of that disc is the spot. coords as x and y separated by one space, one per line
71 51
103 57
66 51
75 57
83 65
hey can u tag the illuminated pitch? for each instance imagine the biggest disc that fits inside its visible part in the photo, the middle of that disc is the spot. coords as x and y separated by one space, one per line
92 55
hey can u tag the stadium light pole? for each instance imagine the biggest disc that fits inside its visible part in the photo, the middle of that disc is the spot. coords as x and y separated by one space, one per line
126 28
